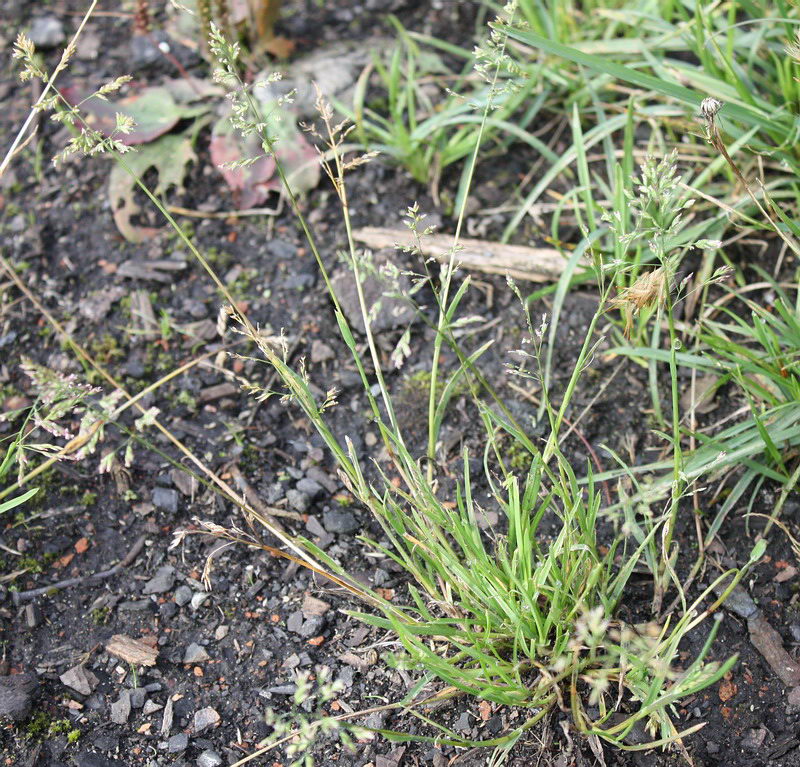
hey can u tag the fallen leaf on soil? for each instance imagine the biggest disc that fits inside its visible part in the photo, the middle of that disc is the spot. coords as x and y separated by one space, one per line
252 182
517 261
133 651
81 545
485 709
155 110
727 690
170 157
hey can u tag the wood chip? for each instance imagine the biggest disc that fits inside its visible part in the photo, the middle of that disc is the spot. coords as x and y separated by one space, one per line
211 393
159 271
769 643
517 261
133 651
145 324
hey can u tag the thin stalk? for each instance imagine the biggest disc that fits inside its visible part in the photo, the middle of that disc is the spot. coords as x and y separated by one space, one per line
62 64
448 275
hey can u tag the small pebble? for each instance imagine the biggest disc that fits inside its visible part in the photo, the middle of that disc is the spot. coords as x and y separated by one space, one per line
183 595
121 708
312 626
80 679
166 499
194 653
138 696
209 759
205 718
150 707
298 501
178 743
162 581
340 521
199 598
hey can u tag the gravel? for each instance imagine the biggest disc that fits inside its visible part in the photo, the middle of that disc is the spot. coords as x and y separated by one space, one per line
183 595
166 499
209 759
205 718
162 581
80 679
178 743
47 32
121 708
194 653
336 521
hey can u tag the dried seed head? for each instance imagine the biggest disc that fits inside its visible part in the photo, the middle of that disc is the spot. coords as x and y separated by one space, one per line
649 290
709 107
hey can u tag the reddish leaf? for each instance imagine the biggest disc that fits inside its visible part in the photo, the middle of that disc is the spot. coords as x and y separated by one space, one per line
253 182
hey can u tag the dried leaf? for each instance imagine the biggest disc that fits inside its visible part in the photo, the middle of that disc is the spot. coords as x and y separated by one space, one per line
133 651
253 182
155 111
727 689
169 156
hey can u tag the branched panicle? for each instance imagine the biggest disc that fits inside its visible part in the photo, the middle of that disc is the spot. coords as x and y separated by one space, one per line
308 722
25 52
492 58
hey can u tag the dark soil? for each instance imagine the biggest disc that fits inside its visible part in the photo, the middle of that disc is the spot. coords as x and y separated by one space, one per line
247 636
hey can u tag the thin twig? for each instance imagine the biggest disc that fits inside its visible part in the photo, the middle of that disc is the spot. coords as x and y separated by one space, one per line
25 596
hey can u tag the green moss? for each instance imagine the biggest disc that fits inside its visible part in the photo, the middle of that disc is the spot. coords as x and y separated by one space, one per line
105 349
42 726
88 498
100 615
34 565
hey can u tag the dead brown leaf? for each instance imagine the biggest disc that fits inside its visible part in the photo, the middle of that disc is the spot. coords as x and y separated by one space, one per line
727 689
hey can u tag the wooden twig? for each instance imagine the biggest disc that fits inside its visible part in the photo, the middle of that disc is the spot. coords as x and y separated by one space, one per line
517 261
25 596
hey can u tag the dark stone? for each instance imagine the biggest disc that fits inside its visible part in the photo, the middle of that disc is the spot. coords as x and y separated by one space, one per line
312 626
393 313
178 743
166 499
336 521
298 501
162 581
93 759
168 610
16 696
295 622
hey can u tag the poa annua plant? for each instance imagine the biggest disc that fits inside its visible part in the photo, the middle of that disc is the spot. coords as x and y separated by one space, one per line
518 619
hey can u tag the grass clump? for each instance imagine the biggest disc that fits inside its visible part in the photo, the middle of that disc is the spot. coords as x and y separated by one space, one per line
527 618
